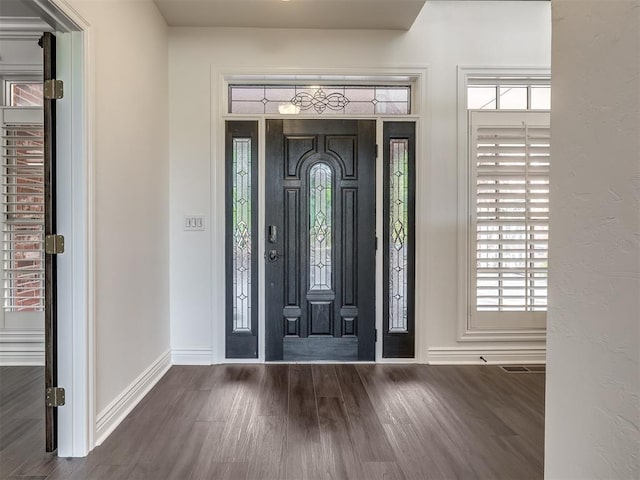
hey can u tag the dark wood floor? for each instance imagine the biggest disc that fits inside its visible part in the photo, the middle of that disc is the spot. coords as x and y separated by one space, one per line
299 421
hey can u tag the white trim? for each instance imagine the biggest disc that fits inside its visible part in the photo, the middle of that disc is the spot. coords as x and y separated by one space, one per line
191 356
22 336
417 76
464 331
493 356
22 355
20 70
21 347
123 404
22 28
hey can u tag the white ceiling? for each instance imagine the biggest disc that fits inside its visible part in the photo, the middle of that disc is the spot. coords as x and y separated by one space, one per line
356 14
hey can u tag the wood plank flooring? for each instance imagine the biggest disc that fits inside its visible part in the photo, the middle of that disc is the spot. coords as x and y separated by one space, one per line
278 421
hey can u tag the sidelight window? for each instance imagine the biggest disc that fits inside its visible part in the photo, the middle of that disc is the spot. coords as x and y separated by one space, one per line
242 245
399 235
241 239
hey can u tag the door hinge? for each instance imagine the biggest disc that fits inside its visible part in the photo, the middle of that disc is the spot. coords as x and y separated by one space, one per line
375 335
54 244
55 397
53 89
376 242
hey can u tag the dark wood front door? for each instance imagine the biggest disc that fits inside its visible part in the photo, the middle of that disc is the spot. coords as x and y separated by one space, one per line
320 240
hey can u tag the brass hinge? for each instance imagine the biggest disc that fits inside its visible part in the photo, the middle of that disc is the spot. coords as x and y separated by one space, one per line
54 244
55 397
53 89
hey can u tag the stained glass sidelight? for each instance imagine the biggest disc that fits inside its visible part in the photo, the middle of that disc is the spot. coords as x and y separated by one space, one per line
241 234
398 234
320 226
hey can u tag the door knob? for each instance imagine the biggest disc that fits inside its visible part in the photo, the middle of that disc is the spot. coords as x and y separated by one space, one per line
271 256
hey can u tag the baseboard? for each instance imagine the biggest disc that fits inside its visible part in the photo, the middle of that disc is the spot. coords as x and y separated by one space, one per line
123 404
191 356
492 356
21 348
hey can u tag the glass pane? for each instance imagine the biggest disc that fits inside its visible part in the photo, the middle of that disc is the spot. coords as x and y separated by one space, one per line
540 98
242 247
25 94
481 98
320 226
247 107
513 98
398 234
320 99
392 108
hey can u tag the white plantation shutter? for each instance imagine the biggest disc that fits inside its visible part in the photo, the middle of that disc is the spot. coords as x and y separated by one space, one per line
22 210
509 221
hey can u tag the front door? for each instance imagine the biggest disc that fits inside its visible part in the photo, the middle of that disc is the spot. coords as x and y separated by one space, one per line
320 240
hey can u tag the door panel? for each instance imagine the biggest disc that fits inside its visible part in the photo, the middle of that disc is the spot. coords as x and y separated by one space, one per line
320 270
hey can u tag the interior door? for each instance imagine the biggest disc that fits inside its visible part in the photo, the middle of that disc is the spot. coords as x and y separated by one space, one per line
48 44
320 240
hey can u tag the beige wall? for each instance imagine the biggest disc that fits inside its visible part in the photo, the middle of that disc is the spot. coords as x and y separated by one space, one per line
593 375
129 51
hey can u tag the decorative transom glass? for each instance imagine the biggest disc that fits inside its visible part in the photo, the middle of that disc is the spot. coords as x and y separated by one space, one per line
242 234
320 227
320 99
398 234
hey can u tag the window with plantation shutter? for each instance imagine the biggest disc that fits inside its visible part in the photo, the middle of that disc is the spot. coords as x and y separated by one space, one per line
22 211
509 219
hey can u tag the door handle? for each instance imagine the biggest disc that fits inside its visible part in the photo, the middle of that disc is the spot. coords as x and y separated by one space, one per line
271 256
272 234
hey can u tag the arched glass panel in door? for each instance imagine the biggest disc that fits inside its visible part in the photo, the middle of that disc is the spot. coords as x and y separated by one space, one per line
320 227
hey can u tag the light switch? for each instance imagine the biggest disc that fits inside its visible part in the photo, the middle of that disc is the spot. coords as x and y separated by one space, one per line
194 223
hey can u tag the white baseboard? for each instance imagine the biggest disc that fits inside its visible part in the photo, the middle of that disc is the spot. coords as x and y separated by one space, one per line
123 404
191 356
493 356
21 348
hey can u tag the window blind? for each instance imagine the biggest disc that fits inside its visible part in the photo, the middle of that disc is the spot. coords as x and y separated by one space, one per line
509 218
23 216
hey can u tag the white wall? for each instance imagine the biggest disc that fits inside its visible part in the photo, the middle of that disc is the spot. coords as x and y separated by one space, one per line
593 376
129 42
445 35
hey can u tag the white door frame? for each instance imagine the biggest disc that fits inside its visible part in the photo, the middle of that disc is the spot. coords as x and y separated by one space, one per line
220 80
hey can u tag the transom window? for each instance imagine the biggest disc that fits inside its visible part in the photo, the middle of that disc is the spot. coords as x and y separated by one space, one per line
320 99
508 94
